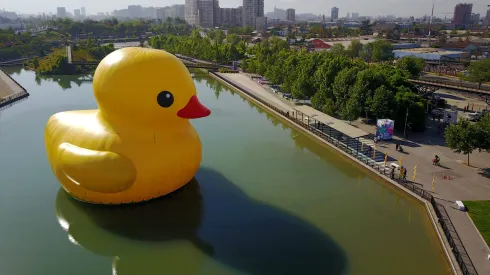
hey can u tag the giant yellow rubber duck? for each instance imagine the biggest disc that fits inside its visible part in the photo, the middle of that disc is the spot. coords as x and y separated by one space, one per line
139 144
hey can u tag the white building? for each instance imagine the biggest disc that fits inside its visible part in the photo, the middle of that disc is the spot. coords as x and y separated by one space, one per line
61 12
83 11
77 13
252 9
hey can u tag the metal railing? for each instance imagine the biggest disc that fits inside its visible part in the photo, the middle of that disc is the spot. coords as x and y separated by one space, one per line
354 147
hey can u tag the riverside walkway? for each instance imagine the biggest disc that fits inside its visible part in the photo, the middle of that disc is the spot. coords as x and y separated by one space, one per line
469 250
10 90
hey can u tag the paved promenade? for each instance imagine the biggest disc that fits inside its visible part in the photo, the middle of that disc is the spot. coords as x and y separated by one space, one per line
467 183
8 87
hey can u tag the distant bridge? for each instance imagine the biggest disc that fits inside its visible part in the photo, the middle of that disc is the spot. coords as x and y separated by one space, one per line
187 62
432 86
16 62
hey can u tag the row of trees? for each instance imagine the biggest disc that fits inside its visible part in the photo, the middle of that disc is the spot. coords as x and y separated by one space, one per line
466 137
200 47
16 45
342 85
57 62
115 28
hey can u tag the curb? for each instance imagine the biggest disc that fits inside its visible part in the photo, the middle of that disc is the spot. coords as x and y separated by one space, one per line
430 211
478 231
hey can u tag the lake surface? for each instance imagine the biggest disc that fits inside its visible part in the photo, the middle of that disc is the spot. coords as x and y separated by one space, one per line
267 200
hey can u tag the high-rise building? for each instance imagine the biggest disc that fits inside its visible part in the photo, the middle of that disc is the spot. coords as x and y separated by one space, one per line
487 18
82 10
231 16
462 14
252 9
191 12
206 13
217 14
176 11
61 12
161 13
290 15
77 13
355 16
201 12
335 14
261 24
135 11
475 18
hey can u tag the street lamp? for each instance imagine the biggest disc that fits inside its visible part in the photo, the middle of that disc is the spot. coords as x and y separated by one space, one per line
405 129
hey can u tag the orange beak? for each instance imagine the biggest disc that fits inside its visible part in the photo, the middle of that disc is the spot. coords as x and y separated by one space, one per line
193 109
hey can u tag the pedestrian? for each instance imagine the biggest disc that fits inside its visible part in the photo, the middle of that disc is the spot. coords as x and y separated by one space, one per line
404 174
396 146
392 173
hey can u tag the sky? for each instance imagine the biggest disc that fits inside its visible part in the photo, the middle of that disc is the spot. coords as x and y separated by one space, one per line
363 7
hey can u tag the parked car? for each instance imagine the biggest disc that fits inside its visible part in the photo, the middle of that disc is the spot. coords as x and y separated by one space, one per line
474 116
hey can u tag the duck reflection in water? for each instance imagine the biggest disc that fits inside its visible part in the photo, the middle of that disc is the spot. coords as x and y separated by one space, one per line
213 215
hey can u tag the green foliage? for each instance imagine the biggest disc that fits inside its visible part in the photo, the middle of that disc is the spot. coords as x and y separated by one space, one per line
199 47
338 49
382 102
339 85
462 137
413 65
57 62
479 212
233 39
355 48
479 71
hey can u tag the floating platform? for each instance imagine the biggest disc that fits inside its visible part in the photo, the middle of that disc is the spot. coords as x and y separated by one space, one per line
10 90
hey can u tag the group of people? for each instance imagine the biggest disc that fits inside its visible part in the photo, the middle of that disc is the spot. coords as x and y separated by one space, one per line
403 173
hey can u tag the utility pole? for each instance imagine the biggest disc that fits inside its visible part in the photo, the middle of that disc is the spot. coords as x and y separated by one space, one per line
430 20
405 129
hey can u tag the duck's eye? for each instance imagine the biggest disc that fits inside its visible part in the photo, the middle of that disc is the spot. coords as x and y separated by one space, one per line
165 99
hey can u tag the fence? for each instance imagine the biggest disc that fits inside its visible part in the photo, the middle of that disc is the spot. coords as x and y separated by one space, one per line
344 143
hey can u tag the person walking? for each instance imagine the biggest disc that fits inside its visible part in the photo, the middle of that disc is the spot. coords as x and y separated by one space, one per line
404 174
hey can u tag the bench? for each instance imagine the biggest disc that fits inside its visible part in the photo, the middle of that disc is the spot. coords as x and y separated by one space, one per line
460 205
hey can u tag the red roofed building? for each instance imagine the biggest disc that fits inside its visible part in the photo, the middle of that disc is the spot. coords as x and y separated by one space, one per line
318 45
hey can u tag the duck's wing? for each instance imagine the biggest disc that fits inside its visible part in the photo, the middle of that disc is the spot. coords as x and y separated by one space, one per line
98 171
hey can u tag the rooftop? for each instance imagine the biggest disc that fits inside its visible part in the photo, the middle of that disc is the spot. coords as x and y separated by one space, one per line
336 124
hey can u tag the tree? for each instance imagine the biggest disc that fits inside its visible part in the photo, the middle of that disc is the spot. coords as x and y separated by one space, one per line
220 36
233 39
338 49
354 49
461 138
382 103
382 51
413 65
479 71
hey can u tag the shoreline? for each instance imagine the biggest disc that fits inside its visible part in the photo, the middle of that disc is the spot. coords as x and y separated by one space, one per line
431 211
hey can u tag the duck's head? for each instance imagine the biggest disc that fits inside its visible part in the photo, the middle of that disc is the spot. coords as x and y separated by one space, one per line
146 87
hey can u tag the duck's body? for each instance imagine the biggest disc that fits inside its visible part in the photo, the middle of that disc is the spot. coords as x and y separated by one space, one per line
104 157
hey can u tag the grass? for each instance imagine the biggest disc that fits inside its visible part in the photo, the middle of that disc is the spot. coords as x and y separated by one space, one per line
480 214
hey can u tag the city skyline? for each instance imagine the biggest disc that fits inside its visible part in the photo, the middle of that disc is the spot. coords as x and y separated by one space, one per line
402 8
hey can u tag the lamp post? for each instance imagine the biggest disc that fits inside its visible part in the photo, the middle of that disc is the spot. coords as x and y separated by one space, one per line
405 129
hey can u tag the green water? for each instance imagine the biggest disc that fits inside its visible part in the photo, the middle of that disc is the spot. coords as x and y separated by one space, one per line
267 200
